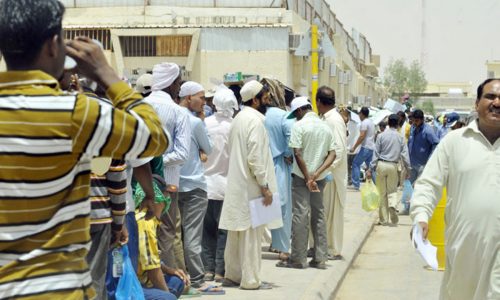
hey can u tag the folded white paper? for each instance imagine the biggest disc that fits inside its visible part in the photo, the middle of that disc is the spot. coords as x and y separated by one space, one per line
425 248
261 214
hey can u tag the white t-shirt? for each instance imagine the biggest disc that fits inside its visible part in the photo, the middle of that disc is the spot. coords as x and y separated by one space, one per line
369 141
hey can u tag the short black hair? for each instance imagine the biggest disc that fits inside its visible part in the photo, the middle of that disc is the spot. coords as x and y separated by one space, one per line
326 95
480 88
393 120
418 114
25 25
365 111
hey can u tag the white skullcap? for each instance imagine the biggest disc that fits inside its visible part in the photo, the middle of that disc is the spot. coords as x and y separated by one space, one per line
190 88
250 90
164 75
144 83
225 102
69 63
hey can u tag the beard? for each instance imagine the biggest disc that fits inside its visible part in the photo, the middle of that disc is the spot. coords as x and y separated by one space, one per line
263 108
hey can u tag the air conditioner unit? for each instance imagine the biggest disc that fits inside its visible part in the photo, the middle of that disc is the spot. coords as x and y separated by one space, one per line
348 75
333 70
321 63
294 41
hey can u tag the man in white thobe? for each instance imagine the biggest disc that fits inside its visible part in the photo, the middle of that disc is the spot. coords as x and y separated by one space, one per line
250 176
467 163
335 191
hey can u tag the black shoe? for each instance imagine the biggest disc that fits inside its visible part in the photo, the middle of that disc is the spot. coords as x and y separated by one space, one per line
335 257
317 264
310 252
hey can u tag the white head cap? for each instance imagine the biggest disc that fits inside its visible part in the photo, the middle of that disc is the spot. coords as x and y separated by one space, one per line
225 102
69 63
296 104
190 88
164 75
144 83
250 90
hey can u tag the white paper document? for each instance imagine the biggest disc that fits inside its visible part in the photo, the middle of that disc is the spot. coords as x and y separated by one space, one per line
261 214
425 248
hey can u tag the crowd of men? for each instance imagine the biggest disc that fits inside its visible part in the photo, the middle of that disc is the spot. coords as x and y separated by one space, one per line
175 176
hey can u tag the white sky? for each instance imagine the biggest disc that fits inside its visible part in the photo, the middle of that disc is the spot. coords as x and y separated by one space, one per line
460 34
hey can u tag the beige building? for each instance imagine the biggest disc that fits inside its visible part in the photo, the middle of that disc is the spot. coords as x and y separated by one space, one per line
450 96
493 69
211 38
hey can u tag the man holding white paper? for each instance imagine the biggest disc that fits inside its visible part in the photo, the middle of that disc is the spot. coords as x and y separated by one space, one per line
250 176
467 163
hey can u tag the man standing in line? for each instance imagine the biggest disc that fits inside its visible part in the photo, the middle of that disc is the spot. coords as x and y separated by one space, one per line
367 141
216 168
390 148
422 142
165 88
48 138
193 199
279 127
467 163
250 176
335 191
314 150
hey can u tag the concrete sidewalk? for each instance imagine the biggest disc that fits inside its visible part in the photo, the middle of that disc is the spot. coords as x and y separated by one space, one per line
310 283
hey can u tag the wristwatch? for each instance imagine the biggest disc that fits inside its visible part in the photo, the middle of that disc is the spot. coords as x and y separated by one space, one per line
266 186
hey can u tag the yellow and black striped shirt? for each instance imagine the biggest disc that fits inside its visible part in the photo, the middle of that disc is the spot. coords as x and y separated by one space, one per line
47 138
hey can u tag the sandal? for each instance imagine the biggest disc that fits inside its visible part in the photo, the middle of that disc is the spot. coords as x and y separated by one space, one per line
283 256
209 276
272 250
288 264
226 282
212 290
219 278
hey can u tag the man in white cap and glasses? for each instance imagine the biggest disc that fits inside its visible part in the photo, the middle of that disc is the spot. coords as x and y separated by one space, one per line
166 86
250 176
193 199
313 146
216 168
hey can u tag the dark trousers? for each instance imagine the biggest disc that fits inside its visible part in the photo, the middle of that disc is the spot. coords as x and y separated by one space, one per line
97 258
214 239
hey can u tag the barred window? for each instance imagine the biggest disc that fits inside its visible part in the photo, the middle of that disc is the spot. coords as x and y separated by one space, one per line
102 35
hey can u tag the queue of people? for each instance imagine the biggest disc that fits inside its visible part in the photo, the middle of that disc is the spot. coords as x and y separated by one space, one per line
176 184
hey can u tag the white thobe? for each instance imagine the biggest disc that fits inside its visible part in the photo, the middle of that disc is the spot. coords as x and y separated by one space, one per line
335 191
250 167
468 165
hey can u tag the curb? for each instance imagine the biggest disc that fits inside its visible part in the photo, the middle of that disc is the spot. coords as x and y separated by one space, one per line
326 285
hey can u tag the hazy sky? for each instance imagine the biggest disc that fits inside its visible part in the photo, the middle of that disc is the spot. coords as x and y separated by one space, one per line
460 34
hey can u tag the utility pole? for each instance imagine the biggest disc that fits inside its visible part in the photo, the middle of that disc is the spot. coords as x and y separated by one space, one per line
314 64
423 50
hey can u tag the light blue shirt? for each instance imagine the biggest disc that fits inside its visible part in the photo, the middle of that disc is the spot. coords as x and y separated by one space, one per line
279 130
193 171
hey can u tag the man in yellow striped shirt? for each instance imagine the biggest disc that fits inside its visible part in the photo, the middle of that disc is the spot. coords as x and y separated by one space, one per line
47 138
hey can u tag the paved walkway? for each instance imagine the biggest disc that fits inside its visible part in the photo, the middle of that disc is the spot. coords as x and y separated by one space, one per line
311 284
389 268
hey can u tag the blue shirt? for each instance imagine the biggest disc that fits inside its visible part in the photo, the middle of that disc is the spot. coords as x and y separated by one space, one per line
175 119
193 172
421 143
278 128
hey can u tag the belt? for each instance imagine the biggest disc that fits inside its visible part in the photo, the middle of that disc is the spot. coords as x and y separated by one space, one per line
392 162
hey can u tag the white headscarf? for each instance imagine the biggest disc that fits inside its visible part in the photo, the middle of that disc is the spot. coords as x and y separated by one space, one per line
225 102
190 88
164 75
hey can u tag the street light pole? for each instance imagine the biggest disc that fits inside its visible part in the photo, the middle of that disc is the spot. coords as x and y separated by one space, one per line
314 64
